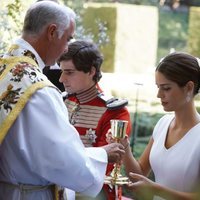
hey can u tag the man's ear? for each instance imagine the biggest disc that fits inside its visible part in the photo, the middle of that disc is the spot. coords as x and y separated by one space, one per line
52 31
93 71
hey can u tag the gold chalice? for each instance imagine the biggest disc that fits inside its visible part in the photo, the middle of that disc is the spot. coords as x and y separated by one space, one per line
118 131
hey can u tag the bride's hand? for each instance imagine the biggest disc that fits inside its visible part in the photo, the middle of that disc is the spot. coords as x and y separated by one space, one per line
109 138
124 141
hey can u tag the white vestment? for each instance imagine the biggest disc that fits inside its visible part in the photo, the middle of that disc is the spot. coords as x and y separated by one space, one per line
42 148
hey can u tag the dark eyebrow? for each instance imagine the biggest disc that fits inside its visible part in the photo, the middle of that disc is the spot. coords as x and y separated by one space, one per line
164 84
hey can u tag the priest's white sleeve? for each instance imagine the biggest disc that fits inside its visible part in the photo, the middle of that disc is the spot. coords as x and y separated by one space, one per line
48 148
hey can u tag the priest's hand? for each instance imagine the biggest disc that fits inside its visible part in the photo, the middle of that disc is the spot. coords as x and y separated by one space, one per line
115 152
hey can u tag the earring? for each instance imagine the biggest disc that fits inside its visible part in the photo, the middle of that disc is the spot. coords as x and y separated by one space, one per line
188 97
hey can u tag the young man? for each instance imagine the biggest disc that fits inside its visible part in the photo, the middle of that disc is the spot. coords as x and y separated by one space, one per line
39 147
90 110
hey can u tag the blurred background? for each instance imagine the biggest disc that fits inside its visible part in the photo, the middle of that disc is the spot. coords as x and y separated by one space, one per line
133 36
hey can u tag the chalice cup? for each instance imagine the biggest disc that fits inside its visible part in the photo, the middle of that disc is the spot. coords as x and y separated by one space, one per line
118 131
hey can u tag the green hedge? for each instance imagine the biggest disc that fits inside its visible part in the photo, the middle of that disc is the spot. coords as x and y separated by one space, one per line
108 15
194 31
145 123
173 32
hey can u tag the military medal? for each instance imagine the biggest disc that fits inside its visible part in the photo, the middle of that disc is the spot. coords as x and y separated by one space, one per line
74 112
90 134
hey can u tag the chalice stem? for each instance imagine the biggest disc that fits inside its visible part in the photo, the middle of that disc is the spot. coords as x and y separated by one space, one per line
118 192
117 172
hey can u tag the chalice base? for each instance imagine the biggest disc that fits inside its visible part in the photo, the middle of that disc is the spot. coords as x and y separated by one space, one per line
120 180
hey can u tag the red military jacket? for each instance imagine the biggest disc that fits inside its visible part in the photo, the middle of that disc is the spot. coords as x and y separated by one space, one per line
90 112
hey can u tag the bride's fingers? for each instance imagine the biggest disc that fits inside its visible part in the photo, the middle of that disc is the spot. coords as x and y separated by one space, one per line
136 176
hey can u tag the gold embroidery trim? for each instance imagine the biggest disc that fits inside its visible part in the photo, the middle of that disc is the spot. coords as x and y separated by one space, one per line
56 193
9 120
12 61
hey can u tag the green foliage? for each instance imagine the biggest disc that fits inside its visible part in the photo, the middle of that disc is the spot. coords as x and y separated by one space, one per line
137 2
5 28
140 135
139 147
10 23
194 31
13 11
198 109
173 32
146 122
100 38
106 15
195 3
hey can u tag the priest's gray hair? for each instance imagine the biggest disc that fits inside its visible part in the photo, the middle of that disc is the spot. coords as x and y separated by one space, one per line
43 13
